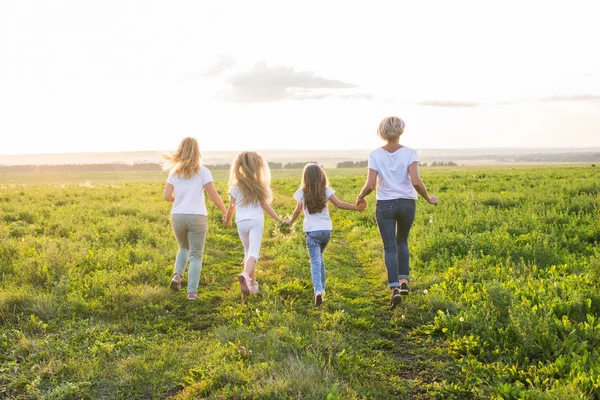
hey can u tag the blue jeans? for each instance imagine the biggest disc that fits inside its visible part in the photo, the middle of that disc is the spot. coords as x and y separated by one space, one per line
316 242
394 219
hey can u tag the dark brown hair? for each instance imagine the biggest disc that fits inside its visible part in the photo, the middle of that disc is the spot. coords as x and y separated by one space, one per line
314 184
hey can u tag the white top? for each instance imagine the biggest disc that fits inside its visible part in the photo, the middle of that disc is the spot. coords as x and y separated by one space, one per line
245 211
189 193
319 221
393 181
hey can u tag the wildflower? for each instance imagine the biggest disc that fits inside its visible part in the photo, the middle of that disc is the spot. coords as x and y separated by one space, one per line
431 220
425 291
403 316
462 319
257 311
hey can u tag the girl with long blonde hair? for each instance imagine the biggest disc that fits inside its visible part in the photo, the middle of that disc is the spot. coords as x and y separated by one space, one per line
249 195
185 189
312 197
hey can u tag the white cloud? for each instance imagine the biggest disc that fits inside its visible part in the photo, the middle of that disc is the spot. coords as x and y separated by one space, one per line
263 83
571 97
224 63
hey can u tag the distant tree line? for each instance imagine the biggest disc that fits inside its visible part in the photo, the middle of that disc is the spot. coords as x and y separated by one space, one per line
441 164
218 166
116 167
562 157
365 164
353 164
120 167
290 165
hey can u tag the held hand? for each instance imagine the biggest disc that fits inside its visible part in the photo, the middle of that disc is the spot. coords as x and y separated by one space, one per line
360 201
288 222
362 206
433 200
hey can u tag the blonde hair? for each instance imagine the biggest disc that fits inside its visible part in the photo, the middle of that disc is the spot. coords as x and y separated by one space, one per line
390 128
186 160
251 174
314 183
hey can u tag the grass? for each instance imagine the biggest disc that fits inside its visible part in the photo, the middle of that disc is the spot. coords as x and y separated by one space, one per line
504 299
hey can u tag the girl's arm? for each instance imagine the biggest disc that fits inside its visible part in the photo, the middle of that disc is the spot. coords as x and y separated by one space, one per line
214 196
229 213
296 214
369 186
267 207
169 193
347 206
417 182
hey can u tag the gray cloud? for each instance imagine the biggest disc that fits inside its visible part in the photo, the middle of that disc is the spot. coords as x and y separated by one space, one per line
224 63
444 103
469 104
263 83
573 97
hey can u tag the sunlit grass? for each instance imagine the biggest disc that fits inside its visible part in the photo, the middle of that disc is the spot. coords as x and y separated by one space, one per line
504 300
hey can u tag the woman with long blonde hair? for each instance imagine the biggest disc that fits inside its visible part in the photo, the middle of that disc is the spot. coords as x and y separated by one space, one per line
250 194
185 189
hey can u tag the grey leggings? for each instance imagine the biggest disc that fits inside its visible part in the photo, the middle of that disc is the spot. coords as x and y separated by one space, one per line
190 232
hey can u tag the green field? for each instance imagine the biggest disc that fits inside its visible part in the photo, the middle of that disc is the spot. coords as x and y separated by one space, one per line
504 304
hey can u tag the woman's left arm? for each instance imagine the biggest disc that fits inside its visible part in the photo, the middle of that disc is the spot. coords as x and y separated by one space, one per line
169 193
214 196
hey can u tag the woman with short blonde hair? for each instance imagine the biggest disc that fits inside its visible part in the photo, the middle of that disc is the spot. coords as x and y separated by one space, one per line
394 170
390 128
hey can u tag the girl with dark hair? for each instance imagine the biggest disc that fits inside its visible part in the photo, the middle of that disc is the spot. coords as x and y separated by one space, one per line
312 197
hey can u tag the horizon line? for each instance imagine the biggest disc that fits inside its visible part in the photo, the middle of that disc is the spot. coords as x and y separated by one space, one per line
296 150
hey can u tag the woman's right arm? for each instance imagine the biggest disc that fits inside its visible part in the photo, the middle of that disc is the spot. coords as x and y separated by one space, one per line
169 193
369 186
417 182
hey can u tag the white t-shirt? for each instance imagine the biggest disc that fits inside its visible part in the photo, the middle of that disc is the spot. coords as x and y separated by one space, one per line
245 211
393 181
319 221
189 193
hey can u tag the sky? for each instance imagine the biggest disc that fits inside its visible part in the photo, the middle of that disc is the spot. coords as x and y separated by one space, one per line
123 75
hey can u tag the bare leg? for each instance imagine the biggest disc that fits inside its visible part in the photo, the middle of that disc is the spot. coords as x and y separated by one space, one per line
250 267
